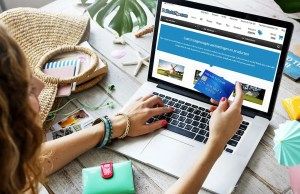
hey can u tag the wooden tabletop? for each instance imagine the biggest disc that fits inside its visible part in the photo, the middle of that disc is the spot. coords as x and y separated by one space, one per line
262 175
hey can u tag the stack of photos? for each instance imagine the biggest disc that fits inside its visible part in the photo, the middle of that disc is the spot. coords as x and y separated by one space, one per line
75 122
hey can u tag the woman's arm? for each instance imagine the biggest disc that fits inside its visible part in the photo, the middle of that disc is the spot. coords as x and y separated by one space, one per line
223 124
57 153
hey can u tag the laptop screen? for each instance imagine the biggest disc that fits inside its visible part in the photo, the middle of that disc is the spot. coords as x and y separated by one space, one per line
190 41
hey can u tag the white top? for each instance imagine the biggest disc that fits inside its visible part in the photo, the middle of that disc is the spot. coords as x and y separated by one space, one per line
42 189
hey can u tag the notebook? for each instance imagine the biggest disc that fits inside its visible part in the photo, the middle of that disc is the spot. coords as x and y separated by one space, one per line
62 72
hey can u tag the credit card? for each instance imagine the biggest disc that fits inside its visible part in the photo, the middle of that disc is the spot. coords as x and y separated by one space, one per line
214 86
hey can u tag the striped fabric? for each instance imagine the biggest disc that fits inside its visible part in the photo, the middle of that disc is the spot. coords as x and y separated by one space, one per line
62 63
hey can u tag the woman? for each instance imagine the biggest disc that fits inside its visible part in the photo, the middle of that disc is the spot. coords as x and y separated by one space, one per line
25 159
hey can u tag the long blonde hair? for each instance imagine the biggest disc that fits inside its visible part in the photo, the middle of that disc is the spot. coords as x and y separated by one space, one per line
20 135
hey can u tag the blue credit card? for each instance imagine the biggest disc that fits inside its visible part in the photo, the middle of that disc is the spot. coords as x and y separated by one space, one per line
214 86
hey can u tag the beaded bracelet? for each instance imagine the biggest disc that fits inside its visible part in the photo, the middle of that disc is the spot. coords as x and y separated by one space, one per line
107 131
127 125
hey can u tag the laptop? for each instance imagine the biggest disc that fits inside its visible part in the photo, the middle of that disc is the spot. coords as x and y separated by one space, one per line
190 38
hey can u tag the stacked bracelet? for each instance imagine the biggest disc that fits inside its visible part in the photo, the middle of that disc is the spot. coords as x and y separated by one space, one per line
127 125
107 131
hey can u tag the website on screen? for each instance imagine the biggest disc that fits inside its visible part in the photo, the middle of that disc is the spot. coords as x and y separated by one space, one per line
191 41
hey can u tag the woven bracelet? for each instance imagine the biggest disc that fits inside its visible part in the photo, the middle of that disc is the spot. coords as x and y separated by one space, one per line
127 125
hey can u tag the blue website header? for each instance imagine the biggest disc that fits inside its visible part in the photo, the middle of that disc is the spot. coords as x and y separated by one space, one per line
245 59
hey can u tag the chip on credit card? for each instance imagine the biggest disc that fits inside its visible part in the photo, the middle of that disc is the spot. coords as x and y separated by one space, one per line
214 86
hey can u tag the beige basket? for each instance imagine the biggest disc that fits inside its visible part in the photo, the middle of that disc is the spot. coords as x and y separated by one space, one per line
43 36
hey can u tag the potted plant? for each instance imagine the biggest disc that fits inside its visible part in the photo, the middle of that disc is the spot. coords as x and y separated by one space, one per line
290 7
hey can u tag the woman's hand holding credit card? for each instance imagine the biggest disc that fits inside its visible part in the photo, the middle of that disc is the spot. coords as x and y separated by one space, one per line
225 118
214 86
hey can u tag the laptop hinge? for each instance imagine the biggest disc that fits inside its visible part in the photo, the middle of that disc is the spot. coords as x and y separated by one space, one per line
196 96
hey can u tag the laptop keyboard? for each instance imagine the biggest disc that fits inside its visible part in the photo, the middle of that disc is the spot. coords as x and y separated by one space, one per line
192 121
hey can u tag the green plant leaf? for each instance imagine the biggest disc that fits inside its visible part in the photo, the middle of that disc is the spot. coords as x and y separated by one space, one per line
289 6
95 7
84 2
151 4
122 21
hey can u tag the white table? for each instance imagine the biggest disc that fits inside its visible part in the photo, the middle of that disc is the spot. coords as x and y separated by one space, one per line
262 175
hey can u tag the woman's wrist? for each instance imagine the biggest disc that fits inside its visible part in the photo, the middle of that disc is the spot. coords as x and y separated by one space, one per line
216 146
118 126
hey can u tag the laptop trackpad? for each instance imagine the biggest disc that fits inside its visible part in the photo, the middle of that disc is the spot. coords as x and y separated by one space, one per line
168 154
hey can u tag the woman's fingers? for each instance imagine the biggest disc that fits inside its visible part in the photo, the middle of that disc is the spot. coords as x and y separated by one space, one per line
214 101
212 108
238 99
155 125
154 101
146 97
223 105
160 110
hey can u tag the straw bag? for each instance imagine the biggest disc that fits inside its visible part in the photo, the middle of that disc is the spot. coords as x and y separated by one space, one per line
43 36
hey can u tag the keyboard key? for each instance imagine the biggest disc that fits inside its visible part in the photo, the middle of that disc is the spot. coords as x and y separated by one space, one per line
207 110
165 101
203 120
183 113
177 105
181 118
197 112
174 122
243 127
155 93
232 143
202 125
190 109
194 106
174 116
150 120
205 140
204 114
207 134
177 110
171 103
188 121
181 125
161 95
245 123
174 99
181 102
195 129
183 107
206 128
236 138
199 138
228 150
181 131
188 104
195 123
240 132
188 127
208 116
197 118
202 132
202 109
168 97
190 115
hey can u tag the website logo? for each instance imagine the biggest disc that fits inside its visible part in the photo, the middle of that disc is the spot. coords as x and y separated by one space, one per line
174 13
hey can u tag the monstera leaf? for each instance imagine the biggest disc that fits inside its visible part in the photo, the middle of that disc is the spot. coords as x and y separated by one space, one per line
289 6
124 10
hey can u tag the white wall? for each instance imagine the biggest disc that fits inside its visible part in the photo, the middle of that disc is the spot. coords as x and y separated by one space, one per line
25 3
